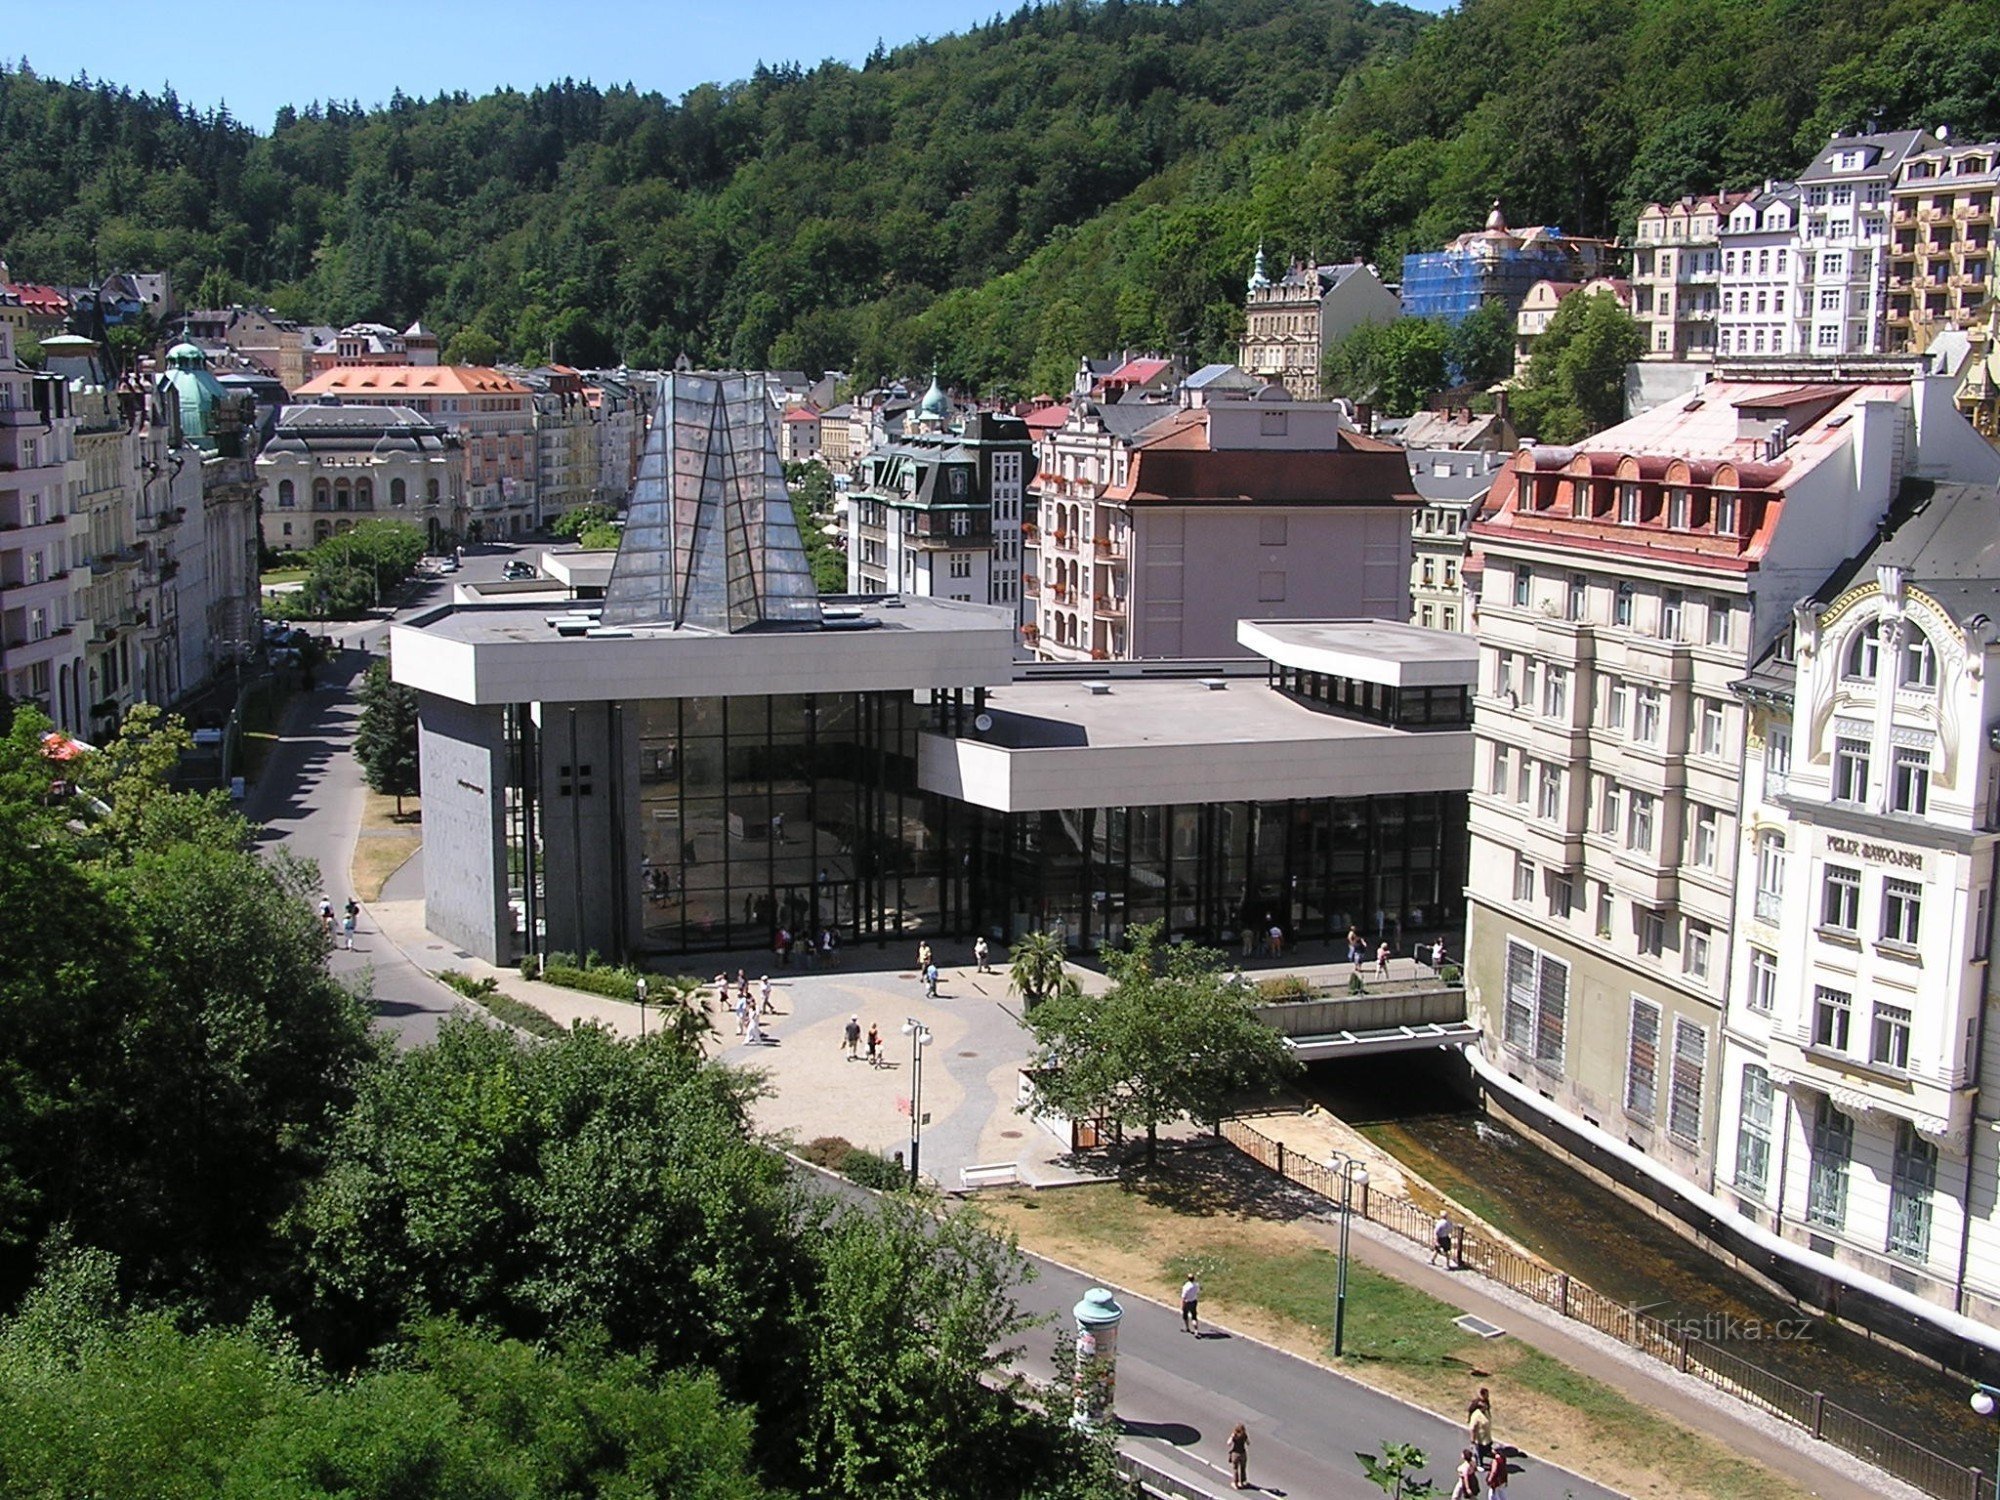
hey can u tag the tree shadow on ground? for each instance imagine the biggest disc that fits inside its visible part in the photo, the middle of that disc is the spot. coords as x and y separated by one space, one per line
1205 1177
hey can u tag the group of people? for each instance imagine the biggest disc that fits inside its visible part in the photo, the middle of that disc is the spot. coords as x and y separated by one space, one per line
347 921
750 1012
851 1039
805 947
1357 954
1482 1461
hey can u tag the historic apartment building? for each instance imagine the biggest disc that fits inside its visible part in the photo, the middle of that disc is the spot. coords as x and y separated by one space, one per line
1676 271
327 467
937 513
492 414
1845 242
1289 323
1941 255
1156 543
1857 1048
1629 587
1451 483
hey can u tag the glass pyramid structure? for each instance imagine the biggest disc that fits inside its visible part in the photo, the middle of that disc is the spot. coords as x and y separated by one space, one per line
710 540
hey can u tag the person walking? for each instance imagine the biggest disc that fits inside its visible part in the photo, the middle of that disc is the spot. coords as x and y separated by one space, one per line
347 924
1441 1238
1354 947
1382 962
766 1007
931 981
874 1045
1479 1431
1191 1305
326 913
1239 1458
1496 1475
923 957
1467 1487
785 946
853 1036
980 953
1437 956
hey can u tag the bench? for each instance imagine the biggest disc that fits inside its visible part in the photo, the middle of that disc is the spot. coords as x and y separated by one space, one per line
993 1174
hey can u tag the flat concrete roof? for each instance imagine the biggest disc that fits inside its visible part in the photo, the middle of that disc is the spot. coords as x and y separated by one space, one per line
511 652
1382 651
1056 744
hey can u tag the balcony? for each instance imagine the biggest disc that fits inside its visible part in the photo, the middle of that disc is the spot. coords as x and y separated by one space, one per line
1062 541
1112 606
1031 585
1062 593
1030 533
160 520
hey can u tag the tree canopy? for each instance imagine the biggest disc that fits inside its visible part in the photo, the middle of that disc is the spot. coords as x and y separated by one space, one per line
385 741
1575 381
1171 1039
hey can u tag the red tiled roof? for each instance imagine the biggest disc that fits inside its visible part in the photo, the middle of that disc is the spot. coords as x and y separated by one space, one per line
445 380
801 414
1179 472
1047 418
1137 371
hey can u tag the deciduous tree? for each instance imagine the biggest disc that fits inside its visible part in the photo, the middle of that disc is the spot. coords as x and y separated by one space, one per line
385 741
1171 1039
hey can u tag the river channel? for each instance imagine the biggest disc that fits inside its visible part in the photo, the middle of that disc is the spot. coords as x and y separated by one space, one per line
1417 1108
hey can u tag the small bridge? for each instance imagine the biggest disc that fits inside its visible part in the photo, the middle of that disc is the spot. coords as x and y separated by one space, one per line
1398 1019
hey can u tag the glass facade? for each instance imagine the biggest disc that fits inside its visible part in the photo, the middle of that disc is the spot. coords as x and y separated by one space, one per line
803 812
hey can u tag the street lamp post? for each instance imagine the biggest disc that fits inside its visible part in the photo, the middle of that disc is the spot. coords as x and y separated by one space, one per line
920 1038
1986 1401
1352 1175
641 987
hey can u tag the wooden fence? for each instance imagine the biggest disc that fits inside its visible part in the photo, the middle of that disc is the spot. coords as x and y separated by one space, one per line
1679 1346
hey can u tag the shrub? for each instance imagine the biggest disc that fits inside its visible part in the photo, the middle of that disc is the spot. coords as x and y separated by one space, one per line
612 983
531 965
1285 987
827 1151
487 993
1452 974
872 1171
466 985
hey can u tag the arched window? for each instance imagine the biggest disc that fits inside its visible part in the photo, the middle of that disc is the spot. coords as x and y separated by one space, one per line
287 497
322 495
398 492
364 494
343 495
431 491
1919 662
1864 653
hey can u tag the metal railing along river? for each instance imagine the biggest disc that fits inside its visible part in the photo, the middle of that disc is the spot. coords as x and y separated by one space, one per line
1679 1346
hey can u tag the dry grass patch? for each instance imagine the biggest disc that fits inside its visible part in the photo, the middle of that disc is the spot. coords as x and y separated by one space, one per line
384 843
1270 1275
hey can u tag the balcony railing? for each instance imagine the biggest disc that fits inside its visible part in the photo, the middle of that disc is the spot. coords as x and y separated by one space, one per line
1109 604
1031 585
1063 541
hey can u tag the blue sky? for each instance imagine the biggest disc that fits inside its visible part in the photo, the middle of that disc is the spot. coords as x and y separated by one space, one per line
258 57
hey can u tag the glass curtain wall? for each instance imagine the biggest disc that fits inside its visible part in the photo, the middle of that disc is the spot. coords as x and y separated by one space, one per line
1393 867
798 812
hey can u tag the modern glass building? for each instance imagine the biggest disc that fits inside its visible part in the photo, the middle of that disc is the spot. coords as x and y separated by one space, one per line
883 768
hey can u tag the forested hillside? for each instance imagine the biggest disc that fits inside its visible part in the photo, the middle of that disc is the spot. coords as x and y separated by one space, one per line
1071 176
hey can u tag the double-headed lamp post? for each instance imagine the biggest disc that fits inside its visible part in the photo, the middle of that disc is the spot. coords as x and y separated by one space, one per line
920 1038
641 987
1986 1401
1352 1175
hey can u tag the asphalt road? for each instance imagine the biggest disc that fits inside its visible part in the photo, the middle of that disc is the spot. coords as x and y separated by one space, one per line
310 797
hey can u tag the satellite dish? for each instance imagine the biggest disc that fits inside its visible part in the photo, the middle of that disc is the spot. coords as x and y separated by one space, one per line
983 722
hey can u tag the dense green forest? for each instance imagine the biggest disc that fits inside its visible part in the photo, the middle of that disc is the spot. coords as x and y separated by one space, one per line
1069 177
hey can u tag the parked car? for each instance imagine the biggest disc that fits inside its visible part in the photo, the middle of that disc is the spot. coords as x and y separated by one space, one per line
518 570
447 565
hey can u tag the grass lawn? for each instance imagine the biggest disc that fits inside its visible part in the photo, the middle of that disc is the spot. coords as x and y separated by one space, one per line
282 575
384 843
1266 1272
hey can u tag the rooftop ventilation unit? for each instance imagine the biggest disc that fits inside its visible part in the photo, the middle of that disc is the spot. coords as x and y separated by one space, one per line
1213 684
1097 689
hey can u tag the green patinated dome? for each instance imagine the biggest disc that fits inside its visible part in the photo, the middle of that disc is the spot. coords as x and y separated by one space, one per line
198 390
936 403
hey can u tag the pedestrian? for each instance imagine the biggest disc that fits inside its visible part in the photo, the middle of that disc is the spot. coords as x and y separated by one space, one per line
923 957
1467 1487
1496 1475
347 924
1191 1305
743 983
1354 947
1479 1431
1382 962
829 946
1437 955
785 946
753 1030
931 981
853 1036
980 953
326 913
874 1045
1276 938
1239 1458
1249 939
777 828
1441 1238
742 1008
767 1007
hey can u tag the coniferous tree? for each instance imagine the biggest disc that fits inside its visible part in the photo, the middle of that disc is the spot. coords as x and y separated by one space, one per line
385 742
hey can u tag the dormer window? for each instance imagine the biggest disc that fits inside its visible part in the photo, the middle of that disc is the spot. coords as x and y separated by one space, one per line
1864 654
1680 509
1918 669
1628 504
1725 515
